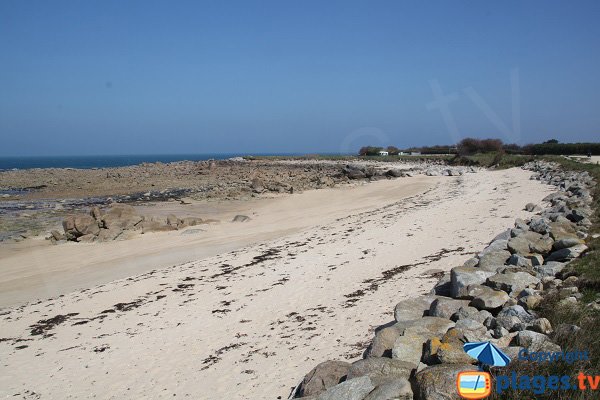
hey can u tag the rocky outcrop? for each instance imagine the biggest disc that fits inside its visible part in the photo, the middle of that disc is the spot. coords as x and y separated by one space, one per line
117 222
493 297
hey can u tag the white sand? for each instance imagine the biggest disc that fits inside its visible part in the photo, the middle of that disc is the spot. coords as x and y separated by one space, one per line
251 328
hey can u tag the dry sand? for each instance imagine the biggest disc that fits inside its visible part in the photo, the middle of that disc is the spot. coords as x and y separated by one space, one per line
326 268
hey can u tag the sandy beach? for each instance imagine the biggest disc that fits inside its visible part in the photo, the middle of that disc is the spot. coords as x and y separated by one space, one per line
241 311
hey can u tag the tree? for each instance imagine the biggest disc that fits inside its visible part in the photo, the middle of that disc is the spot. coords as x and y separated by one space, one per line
393 150
551 141
491 145
369 151
468 146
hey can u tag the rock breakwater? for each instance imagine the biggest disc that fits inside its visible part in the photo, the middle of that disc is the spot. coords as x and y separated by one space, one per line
492 297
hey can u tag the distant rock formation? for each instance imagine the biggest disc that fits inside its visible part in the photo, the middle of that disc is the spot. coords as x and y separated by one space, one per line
118 222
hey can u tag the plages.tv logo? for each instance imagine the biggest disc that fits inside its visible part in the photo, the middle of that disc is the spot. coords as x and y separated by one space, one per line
474 385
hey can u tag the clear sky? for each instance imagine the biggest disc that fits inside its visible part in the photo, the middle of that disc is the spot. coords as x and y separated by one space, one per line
129 77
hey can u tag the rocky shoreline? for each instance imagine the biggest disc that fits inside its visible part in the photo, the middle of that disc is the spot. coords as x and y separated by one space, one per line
37 201
492 297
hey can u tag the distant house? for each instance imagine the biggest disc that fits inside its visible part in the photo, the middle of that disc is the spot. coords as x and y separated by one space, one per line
415 153
384 153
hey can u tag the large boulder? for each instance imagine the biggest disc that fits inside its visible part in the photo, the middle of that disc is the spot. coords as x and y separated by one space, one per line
448 349
514 318
409 346
530 242
381 369
438 382
486 298
490 261
414 308
472 330
444 307
322 377
519 261
562 230
534 341
395 173
462 277
353 389
79 225
86 225
384 340
353 171
512 281
399 389
568 253
539 225
121 216
567 242
550 268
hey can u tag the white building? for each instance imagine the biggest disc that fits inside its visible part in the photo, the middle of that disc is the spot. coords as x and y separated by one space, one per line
384 153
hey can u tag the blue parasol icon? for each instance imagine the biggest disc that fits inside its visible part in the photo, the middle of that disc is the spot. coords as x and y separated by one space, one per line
487 353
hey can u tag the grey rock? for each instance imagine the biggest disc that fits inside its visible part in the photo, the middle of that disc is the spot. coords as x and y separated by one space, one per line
471 262
535 341
240 218
542 325
530 302
443 287
535 259
512 281
503 236
530 242
398 389
409 346
473 331
567 242
522 225
491 260
324 376
384 340
411 309
519 261
539 225
353 389
551 268
514 318
121 216
462 277
568 253
381 369
495 245
486 298
446 307
531 207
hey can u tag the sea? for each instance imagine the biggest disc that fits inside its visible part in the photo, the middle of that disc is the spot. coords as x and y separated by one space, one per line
87 162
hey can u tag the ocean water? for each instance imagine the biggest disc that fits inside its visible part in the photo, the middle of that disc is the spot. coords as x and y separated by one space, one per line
110 161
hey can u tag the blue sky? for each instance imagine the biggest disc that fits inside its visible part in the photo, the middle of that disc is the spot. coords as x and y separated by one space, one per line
134 77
